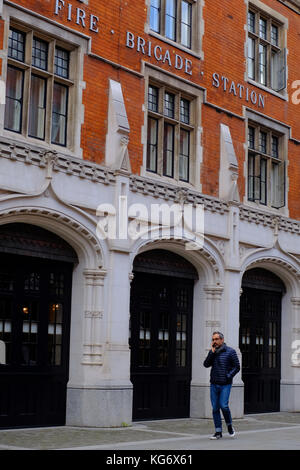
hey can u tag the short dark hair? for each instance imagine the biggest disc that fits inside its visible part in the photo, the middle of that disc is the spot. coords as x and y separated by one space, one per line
221 336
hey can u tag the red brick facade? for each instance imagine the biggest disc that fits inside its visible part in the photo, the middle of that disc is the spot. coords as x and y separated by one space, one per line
223 46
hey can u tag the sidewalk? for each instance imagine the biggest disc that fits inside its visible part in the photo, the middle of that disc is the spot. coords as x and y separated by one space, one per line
272 431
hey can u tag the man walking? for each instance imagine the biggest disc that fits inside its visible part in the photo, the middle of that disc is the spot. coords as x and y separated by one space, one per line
224 364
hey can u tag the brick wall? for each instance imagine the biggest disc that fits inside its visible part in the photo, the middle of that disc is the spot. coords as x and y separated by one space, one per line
223 46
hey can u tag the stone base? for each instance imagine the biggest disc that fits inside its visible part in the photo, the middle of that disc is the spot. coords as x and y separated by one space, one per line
289 397
99 407
201 405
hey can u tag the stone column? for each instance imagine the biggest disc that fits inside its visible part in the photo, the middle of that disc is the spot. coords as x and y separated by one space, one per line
103 396
203 328
231 308
290 356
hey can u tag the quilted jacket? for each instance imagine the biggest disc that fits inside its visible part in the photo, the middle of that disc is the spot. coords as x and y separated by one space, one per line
224 365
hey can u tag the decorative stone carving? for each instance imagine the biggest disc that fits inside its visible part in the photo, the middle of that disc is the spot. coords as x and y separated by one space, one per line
228 173
93 345
117 137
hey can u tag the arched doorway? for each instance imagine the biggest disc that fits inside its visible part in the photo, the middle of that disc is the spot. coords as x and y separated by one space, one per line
161 334
260 340
35 306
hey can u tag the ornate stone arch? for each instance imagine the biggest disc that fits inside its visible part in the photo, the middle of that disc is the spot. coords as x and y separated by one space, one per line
78 235
205 259
284 267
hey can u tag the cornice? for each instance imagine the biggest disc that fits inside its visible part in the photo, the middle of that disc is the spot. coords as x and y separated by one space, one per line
94 172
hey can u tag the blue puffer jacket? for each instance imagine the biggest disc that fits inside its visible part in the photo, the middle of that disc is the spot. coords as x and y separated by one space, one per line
224 365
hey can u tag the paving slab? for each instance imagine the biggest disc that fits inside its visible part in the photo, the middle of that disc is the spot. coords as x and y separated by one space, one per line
269 431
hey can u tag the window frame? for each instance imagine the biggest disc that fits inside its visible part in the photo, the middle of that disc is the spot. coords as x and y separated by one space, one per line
48 74
78 44
275 54
193 43
261 190
175 122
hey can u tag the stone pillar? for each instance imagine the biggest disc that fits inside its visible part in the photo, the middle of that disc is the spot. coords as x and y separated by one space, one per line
203 328
103 396
231 308
290 356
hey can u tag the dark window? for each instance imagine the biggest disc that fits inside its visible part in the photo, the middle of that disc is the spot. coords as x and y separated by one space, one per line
61 63
152 144
184 111
168 163
14 99
59 114
266 168
153 99
40 54
169 105
39 110
37 113
16 45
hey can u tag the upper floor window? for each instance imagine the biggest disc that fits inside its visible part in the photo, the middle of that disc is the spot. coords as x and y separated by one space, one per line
37 87
266 52
170 132
172 19
266 166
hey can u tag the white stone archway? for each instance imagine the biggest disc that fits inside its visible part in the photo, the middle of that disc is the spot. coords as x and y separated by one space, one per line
208 314
287 268
88 325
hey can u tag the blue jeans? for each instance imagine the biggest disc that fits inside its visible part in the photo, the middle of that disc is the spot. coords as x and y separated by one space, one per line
219 396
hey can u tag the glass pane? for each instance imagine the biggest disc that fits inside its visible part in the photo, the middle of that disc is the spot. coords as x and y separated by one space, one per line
184 155
274 35
155 15
251 177
251 58
262 65
263 28
61 62
163 339
40 54
14 99
186 23
30 316
37 107
184 111
251 21
275 185
32 282
153 99
181 342
169 106
245 346
168 150
6 328
59 114
272 345
55 324
263 142
251 137
259 347
57 284
263 181
170 19
275 152
152 145
144 339
16 45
